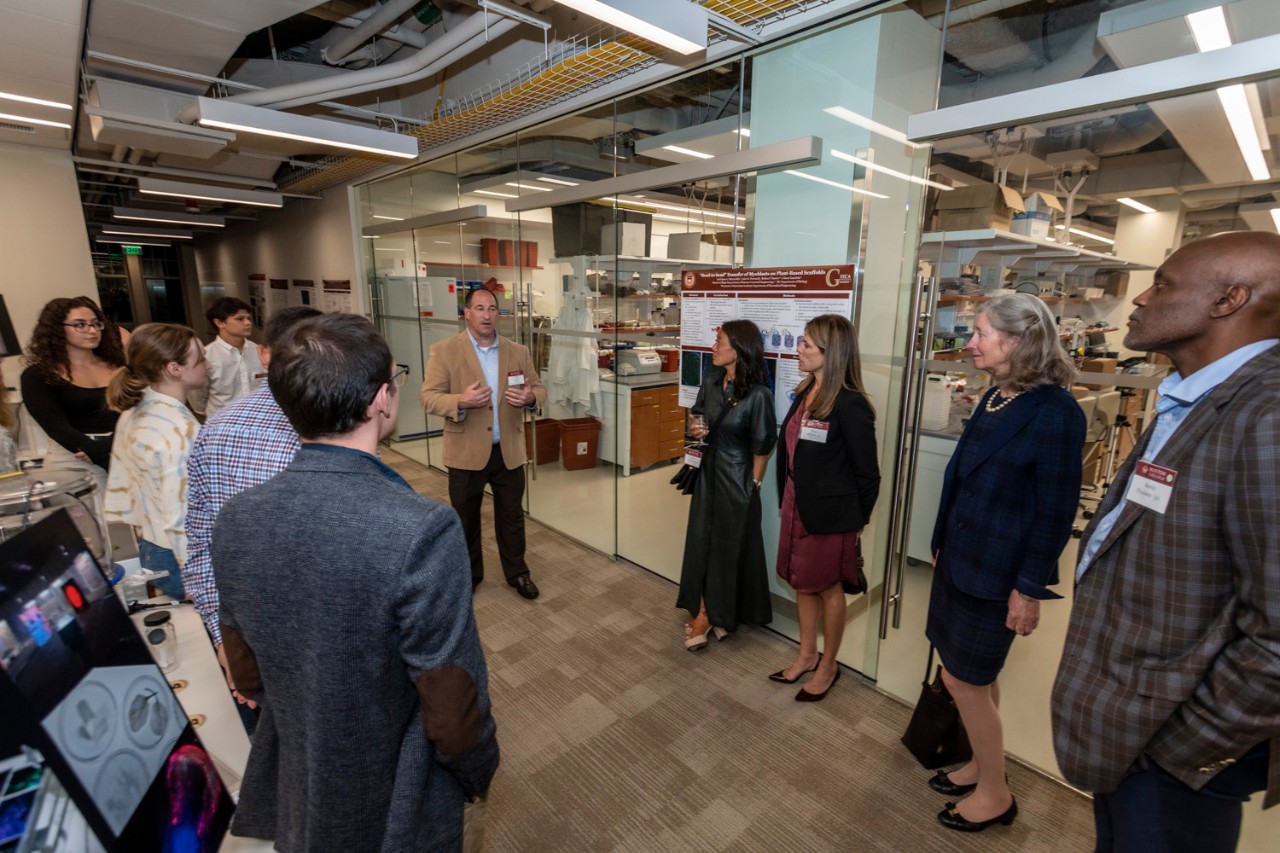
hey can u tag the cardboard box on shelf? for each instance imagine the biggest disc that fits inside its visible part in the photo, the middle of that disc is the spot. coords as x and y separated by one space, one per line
1112 282
1037 219
976 207
1099 365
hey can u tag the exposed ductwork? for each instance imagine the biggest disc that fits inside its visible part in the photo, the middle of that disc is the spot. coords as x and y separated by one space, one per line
451 46
382 18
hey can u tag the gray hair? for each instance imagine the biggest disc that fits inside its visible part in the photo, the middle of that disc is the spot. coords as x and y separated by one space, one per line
1038 358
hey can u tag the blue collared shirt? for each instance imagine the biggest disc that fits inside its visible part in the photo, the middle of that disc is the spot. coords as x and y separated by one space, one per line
1178 396
488 357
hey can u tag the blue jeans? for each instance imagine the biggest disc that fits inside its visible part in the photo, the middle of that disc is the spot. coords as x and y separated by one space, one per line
1153 811
157 559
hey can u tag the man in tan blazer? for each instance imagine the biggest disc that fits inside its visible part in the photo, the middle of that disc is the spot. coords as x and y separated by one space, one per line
1167 701
482 384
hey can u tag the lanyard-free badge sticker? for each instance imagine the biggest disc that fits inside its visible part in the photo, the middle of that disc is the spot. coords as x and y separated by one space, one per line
515 377
811 430
693 458
1151 486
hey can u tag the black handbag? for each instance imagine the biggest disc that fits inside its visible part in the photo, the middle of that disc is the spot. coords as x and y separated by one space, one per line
936 735
854 581
687 477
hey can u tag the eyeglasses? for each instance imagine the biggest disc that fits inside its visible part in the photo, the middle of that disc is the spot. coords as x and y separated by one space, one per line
83 326
400 376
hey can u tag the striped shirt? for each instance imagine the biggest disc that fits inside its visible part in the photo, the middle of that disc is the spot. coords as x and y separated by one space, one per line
247 443
147 481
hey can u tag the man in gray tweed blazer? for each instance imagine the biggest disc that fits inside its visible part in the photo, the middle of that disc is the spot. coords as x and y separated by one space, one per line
1167 700
351 616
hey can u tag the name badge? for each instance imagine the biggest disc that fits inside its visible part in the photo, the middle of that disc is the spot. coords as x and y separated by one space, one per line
811 430
515 377
693 458
1151 486
262 375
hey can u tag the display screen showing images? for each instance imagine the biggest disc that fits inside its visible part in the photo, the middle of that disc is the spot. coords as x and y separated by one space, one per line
89 715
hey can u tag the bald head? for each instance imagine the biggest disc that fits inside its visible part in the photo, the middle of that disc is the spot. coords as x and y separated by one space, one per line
1209 298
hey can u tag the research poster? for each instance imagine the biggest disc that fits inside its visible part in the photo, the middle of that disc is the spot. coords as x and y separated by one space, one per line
779 300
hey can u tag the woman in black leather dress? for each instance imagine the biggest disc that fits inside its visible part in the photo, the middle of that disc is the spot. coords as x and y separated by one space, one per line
724 581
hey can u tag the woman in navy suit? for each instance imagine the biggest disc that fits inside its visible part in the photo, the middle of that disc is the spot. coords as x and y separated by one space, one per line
1008 501
828 480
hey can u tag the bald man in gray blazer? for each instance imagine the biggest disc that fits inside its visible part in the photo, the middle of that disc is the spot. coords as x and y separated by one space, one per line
1167 700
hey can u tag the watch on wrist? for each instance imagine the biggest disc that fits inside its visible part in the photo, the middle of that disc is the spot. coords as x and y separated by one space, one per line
757 482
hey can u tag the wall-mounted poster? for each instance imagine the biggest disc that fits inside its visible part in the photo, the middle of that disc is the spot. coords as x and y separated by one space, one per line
779 300
302 291
335 295
277 296
257 299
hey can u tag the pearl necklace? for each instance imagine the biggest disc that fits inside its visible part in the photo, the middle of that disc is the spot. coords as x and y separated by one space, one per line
1004 401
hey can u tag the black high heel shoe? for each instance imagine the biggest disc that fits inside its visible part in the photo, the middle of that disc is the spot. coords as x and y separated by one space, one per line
941 782
805 696
781 675
952 819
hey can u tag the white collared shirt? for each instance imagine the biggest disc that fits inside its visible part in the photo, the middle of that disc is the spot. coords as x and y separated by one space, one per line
232 374
147 482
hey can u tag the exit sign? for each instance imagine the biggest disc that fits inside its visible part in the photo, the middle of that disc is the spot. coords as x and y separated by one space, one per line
133 250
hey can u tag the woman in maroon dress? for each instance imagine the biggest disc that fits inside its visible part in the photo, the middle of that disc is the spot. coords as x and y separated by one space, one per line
828 481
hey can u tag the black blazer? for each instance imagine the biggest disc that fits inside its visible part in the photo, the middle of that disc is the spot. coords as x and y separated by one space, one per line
837 482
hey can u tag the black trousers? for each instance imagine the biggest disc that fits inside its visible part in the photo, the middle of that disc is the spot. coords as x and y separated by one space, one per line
466 493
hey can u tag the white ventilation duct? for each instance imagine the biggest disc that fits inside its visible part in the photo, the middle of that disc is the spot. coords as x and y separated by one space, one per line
381 18
442 52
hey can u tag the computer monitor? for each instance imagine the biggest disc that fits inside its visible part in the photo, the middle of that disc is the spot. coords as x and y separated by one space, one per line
96 753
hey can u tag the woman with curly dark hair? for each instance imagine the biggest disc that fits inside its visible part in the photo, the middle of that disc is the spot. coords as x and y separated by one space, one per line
73 352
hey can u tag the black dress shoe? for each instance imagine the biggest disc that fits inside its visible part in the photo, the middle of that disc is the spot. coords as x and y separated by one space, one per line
781 675
942 783
952 819
805 696
526 587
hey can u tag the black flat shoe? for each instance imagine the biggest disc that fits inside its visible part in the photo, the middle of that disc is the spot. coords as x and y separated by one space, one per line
952 819
942 783
526 587
805 696
781 675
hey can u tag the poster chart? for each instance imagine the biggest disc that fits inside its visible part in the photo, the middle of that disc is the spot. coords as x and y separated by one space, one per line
336 295
779 300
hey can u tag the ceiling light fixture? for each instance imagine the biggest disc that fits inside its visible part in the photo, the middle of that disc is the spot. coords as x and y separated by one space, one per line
137 214
803 152
683 28
39 102
39 121
392 218
885 170
130 242
1210 32
1082 233
521 186
636 202
139 232
743 131
870 124
243 118
494 193
688 152
205 192
834 184
1136 205
459 216
558 181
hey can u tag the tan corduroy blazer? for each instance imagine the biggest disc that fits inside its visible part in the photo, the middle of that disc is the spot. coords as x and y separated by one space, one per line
452 366
1173 651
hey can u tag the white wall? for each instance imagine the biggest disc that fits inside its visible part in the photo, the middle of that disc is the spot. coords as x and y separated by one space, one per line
306 239
42 237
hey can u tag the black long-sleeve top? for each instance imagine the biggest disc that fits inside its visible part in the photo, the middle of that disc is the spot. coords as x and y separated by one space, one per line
70 414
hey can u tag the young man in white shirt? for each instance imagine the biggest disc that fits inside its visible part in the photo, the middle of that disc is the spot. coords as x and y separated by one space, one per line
235 368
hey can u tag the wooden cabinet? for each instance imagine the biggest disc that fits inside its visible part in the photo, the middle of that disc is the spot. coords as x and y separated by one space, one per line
657 425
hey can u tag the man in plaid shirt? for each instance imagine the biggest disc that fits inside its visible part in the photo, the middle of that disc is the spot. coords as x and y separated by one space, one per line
244 444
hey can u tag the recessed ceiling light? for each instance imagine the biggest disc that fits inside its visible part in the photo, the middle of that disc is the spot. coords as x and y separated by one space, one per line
1136 205
39 102
39 121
